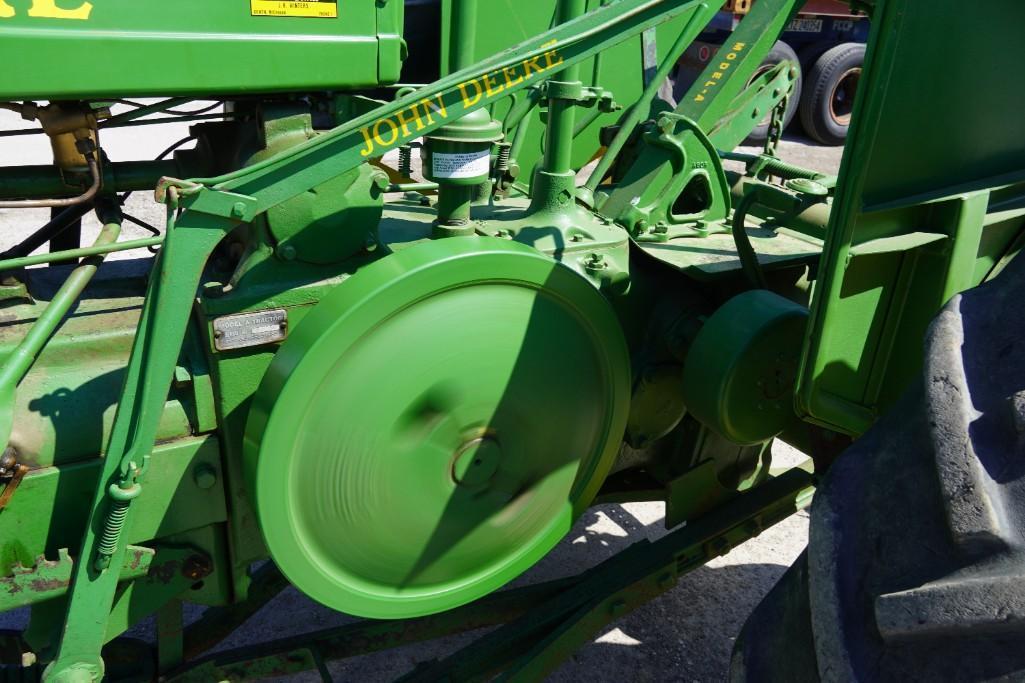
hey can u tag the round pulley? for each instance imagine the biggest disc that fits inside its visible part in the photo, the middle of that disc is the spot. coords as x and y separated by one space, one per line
435 425
739 374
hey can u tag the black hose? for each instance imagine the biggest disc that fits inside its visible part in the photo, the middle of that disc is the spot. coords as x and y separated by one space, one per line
55 227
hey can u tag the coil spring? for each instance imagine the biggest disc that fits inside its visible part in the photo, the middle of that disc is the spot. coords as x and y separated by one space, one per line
112 528
121 497
504 155
406 160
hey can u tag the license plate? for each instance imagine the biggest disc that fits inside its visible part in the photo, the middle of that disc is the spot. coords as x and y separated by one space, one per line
805 26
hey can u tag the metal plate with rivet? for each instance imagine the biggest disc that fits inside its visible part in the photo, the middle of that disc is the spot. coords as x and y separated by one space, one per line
250 329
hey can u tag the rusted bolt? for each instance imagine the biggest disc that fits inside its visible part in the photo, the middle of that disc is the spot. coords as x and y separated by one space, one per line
8 462
196 567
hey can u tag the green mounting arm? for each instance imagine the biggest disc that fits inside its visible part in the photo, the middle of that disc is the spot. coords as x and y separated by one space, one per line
649 188
211 213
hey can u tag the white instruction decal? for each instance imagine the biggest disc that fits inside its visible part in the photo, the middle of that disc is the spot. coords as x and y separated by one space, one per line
468 165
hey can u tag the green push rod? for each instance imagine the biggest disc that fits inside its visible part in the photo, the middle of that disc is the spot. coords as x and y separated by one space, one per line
558 157
98 249
18 363
643 105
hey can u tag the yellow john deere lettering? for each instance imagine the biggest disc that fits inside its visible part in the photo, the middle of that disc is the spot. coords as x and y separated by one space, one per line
322 9
405 125
48 9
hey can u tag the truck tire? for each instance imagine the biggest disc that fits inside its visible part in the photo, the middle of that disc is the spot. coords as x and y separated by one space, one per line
829 96
780 52
915 567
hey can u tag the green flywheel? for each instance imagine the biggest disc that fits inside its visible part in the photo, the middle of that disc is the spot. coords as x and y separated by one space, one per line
435 425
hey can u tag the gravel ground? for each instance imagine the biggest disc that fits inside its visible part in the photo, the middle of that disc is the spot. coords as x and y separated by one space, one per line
684 635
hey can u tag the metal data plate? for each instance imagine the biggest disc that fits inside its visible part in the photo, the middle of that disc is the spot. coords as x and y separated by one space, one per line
250 329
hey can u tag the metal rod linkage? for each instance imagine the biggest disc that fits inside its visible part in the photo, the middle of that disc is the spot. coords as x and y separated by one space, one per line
17 364
633 116
97 249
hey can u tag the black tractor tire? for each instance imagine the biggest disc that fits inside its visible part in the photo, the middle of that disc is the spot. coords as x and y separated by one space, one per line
830 85
779 53
915 567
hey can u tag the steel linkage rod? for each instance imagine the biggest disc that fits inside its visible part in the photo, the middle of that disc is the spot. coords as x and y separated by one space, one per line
562 112
165 313
633 116
58 224
17 364
97 249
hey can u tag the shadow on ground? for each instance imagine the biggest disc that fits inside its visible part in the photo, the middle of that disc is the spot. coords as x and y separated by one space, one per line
685 635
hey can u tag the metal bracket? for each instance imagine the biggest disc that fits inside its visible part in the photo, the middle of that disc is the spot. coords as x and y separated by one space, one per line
50 579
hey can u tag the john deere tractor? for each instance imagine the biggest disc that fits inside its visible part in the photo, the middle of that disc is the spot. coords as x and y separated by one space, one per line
430 286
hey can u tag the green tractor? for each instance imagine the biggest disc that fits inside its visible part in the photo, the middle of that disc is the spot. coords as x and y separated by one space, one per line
398 390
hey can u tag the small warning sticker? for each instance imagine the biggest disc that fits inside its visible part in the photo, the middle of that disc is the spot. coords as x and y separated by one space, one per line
324 9
465 165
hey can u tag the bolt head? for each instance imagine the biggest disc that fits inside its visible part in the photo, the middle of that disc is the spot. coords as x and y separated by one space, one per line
238 210
196 567
205 476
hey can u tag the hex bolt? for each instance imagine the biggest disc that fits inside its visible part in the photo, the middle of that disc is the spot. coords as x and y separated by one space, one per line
196 567
238 210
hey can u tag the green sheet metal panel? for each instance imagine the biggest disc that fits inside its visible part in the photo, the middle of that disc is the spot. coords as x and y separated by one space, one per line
120 48
937 146
49 510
